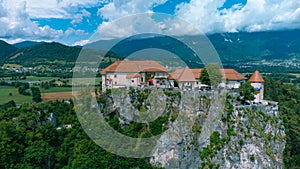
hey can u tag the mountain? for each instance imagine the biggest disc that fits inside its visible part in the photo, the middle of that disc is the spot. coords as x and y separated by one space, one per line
164 49
25 44
6 50
231 47
53 54
236 47
46 53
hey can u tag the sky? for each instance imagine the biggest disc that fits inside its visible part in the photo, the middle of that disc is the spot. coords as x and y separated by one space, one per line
73 22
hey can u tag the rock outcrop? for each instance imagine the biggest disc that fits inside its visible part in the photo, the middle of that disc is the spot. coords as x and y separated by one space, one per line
222 136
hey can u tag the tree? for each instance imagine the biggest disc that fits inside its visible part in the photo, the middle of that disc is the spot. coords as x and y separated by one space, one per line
40 155
215 75
22 89
246 91
36 94
204 77
211 75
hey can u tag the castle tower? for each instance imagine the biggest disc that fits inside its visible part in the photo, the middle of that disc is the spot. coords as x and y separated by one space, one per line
257 82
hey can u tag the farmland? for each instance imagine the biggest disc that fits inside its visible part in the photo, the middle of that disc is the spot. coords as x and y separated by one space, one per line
56 96
8 93
59 81
61 90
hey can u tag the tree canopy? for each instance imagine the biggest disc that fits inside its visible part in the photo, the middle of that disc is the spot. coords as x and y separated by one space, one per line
204 77
211 75
246 92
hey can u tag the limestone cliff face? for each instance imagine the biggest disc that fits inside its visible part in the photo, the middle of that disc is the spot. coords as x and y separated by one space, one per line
205 130
249 136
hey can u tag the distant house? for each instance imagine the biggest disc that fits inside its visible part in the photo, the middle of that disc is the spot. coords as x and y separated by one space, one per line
257 82
190 78
134 73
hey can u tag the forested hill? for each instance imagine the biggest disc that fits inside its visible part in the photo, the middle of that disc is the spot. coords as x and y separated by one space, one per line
25 44
43 53
231 47
6 50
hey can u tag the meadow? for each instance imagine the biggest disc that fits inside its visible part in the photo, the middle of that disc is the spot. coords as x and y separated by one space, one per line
8 93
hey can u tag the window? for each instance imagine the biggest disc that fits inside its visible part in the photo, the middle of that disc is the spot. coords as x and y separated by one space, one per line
142 79
115 76
116 83
132 81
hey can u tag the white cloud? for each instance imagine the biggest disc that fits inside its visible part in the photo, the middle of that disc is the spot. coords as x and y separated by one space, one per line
71 31
79 17
120 8
256 15
16 17
57 8
81 43
126 18
128 26
145 23
16 23
12 41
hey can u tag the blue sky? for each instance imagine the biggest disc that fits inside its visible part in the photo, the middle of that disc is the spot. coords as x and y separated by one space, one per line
73 22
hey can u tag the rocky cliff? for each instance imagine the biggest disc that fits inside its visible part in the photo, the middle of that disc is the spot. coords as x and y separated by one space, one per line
202 130
226 136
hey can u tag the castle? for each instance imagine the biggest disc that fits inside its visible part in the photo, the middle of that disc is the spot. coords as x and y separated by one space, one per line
149 73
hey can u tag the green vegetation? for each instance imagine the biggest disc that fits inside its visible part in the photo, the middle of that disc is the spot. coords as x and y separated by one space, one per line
6 51
8 93
138 100
288 96
42 54
215 75
211 75
204 77
22 88
247 92
56 89
257 46
207 153
36 94
252 158
30 140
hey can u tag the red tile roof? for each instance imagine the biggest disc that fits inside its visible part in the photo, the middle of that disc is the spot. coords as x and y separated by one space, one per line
197 73
186 75
256 77
135 66
175 74
229 74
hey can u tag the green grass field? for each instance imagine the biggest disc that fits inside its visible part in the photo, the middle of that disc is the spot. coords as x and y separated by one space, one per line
35 78
56 89
69 80
84 80
5 97
6 90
